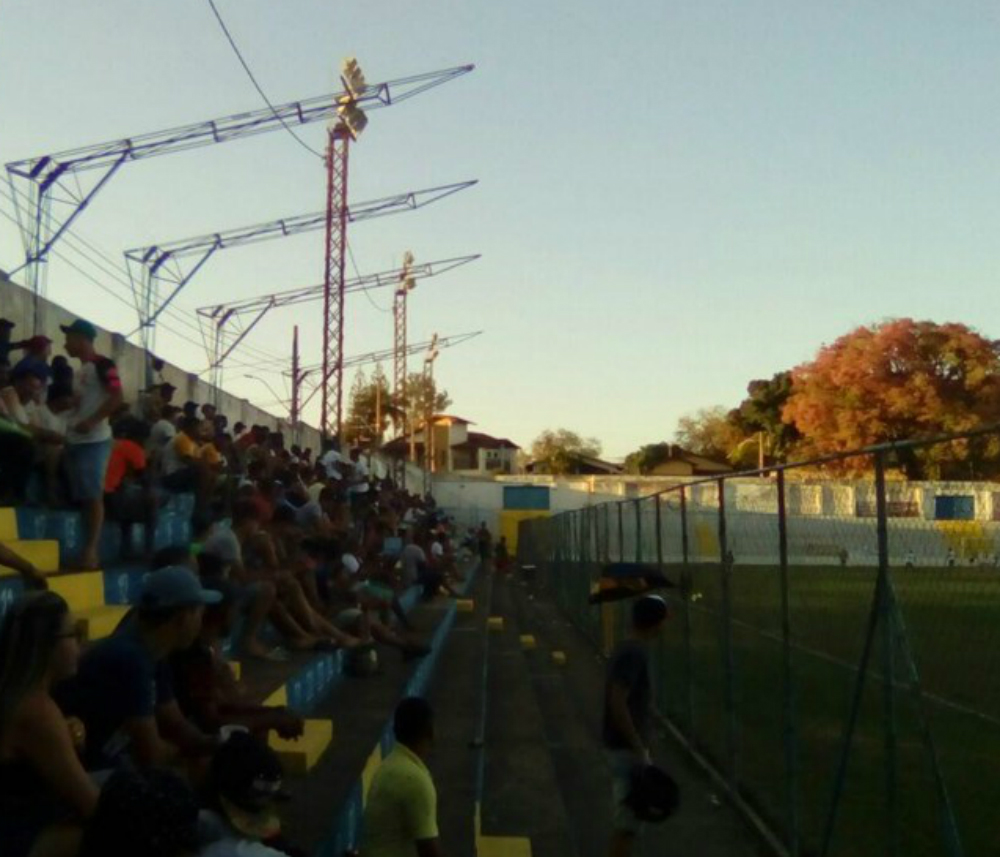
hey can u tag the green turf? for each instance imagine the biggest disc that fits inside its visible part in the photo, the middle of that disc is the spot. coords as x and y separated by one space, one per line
951 617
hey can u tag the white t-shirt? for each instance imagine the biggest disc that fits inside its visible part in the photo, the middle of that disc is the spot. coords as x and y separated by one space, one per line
162 432
43 418
22 414
92 384
437 550
350 563
330 459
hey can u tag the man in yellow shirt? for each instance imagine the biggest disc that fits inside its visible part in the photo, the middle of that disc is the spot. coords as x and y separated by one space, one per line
401 813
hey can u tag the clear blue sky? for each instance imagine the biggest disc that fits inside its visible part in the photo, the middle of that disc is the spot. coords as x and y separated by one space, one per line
675 197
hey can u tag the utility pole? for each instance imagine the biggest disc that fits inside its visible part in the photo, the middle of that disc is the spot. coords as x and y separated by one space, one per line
296 379
406 284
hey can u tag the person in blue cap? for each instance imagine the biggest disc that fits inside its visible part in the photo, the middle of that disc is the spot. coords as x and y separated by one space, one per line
123 691
97 390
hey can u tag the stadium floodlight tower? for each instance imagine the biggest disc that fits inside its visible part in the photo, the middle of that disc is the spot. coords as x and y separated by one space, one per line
344 130
407 283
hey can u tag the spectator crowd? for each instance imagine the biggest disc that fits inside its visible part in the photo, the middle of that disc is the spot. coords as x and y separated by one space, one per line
144 742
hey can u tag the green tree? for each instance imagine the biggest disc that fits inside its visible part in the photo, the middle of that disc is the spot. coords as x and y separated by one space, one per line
370 407
761 412
646 458
422 397
560 451
710 432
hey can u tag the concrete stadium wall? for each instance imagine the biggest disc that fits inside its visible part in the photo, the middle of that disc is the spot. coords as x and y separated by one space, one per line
16 305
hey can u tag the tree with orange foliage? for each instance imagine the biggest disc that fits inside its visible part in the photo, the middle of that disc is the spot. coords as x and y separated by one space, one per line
897 380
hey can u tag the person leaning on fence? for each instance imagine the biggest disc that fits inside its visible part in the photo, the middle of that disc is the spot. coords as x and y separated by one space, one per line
627 710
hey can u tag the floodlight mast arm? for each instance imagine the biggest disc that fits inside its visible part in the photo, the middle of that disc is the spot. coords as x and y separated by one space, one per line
385 354
47 171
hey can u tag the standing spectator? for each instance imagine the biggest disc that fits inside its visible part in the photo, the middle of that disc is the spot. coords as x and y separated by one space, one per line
123 692
190 409
128 487
43 785
37 352
627 707
401 814
98 391
187 468
162 433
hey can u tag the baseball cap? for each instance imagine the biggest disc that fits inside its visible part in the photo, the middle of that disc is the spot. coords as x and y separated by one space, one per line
81 326
175 586
246 776
37 343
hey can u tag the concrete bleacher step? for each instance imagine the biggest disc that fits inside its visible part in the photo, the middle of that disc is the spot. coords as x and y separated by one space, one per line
8 524
299 756
84 592
42 553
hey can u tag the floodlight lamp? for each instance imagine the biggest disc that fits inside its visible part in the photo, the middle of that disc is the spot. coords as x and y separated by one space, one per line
352 117
408 259
353 77
409 284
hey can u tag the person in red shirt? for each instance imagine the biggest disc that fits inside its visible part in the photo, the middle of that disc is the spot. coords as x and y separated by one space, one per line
128 491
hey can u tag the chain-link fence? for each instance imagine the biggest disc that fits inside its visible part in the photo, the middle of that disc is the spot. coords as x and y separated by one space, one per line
830 651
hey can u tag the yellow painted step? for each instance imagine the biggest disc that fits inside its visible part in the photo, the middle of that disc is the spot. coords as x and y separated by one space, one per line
43 554
503 846
528 641
495 623
559 658
279 698
300 756
8 524
237 669
465 605
82 590
100 622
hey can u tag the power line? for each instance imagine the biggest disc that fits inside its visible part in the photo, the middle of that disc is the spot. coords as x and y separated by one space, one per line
357 273
257 86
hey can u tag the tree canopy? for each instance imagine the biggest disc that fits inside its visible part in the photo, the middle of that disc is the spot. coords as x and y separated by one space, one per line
896 380
560 451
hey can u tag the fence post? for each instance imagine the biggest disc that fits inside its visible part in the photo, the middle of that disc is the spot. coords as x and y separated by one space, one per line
727 641
621 531
607 533
638 530
659 537
791 738
686 593
888 666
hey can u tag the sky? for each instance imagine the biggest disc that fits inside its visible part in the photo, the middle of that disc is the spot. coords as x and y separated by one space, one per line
673 198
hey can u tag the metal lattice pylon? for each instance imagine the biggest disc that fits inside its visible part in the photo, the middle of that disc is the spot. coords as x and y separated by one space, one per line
334 279
399 372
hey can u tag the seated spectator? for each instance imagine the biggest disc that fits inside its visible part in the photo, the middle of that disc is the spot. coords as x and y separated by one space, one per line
401 813
45 792
123 692
21 401
17 453
208 413
207 691
53 417
163 431
355 610
128 486
190 409
258 587
245 785
37 352
187 467
143 815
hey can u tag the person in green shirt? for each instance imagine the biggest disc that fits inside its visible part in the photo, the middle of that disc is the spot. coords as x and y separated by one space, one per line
401 814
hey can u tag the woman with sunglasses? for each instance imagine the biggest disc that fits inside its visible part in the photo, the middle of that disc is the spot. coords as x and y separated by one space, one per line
45 793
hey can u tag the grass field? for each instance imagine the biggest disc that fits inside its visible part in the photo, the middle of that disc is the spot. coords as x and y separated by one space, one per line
952 622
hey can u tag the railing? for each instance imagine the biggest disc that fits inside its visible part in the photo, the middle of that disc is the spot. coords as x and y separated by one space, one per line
839 673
